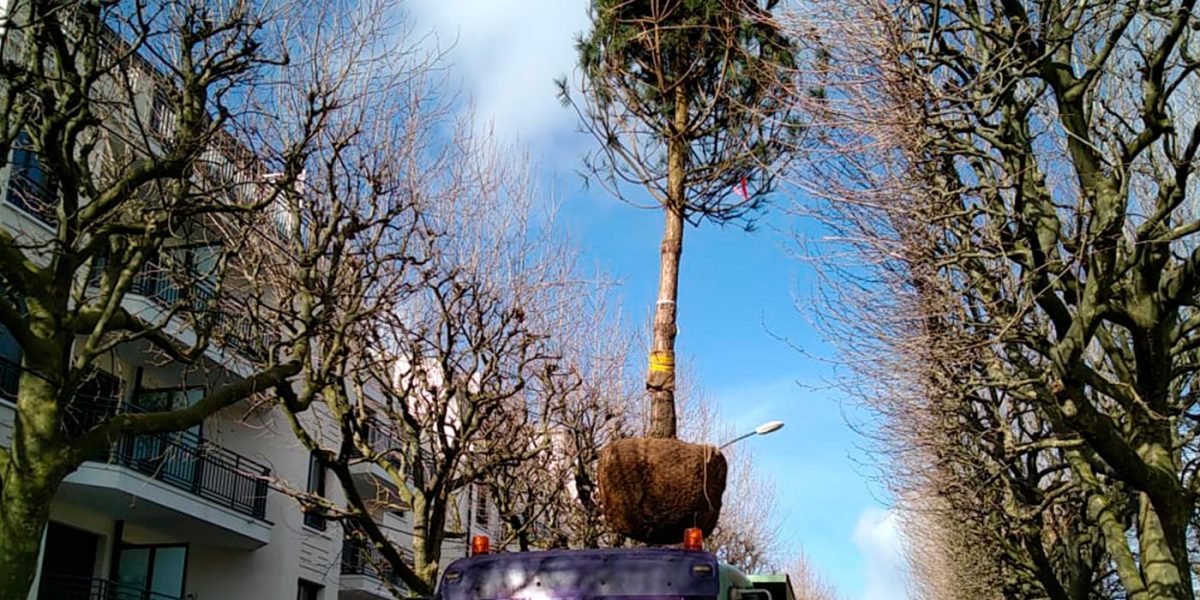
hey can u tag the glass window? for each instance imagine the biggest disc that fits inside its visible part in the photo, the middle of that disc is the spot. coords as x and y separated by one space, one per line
153 569
481 507
316 486
95 400
30 185
177 454
162 116
151 400
307 590
169 564
10 353
10 365
133 571
203 268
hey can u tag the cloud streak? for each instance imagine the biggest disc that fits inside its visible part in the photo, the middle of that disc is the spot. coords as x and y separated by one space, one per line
508 53
880 541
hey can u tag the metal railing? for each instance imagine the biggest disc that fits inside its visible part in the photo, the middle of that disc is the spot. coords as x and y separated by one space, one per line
233 328
361 558
230 324
180 459
380 441
188 462
183 460
63 587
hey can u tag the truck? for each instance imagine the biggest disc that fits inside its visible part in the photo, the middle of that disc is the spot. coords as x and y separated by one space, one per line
687 572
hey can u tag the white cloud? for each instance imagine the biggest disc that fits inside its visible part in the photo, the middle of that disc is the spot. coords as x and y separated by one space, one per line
880 541
508 53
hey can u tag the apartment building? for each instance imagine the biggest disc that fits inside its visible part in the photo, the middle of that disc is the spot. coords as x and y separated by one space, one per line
194 514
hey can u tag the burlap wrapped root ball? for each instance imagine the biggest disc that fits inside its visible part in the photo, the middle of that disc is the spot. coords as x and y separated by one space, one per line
653 489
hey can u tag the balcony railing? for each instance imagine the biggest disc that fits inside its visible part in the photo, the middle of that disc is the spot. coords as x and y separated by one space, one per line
230 325
190 463
235 330
380 441
61 587
185 461
360 558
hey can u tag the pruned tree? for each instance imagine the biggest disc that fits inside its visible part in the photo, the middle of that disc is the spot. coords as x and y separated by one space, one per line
459 376
807 582
1015 180
686 101
552 501
147 147
747 532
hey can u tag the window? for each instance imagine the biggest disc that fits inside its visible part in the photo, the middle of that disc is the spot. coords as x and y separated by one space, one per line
162 117
10 353
481 506
30 185
177 454
95 399
307 590
316 486
152 571
10 365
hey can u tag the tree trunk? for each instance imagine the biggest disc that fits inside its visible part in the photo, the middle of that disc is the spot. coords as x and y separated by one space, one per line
30 474
660 381
1167 576
27 499
429 524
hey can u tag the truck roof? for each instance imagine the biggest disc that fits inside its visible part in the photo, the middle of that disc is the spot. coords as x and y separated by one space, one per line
593 573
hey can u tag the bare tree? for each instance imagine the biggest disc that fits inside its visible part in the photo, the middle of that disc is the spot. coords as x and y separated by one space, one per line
551 501
149 149
747 532
460 374
1014 179
808 583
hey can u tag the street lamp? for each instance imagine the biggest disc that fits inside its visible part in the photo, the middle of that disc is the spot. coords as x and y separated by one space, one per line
764 429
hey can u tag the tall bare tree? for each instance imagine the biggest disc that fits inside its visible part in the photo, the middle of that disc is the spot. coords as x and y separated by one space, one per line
1015 179
685 100
807 582
552 501
460 379
147 148
747 532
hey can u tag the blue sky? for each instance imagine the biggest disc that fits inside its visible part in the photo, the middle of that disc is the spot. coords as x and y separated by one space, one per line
734 287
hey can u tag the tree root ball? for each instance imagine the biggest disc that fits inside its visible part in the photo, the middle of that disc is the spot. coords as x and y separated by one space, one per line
653 489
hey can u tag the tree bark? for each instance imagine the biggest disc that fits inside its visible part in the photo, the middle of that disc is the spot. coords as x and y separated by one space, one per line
30 474
660 381
27 499
429 523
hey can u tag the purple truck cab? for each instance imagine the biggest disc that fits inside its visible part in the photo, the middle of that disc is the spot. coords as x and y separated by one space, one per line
604 574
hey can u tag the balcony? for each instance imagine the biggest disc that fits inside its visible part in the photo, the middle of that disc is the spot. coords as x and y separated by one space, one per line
84 588
187 462
381 441
369 475
175 481
360 577
196 292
